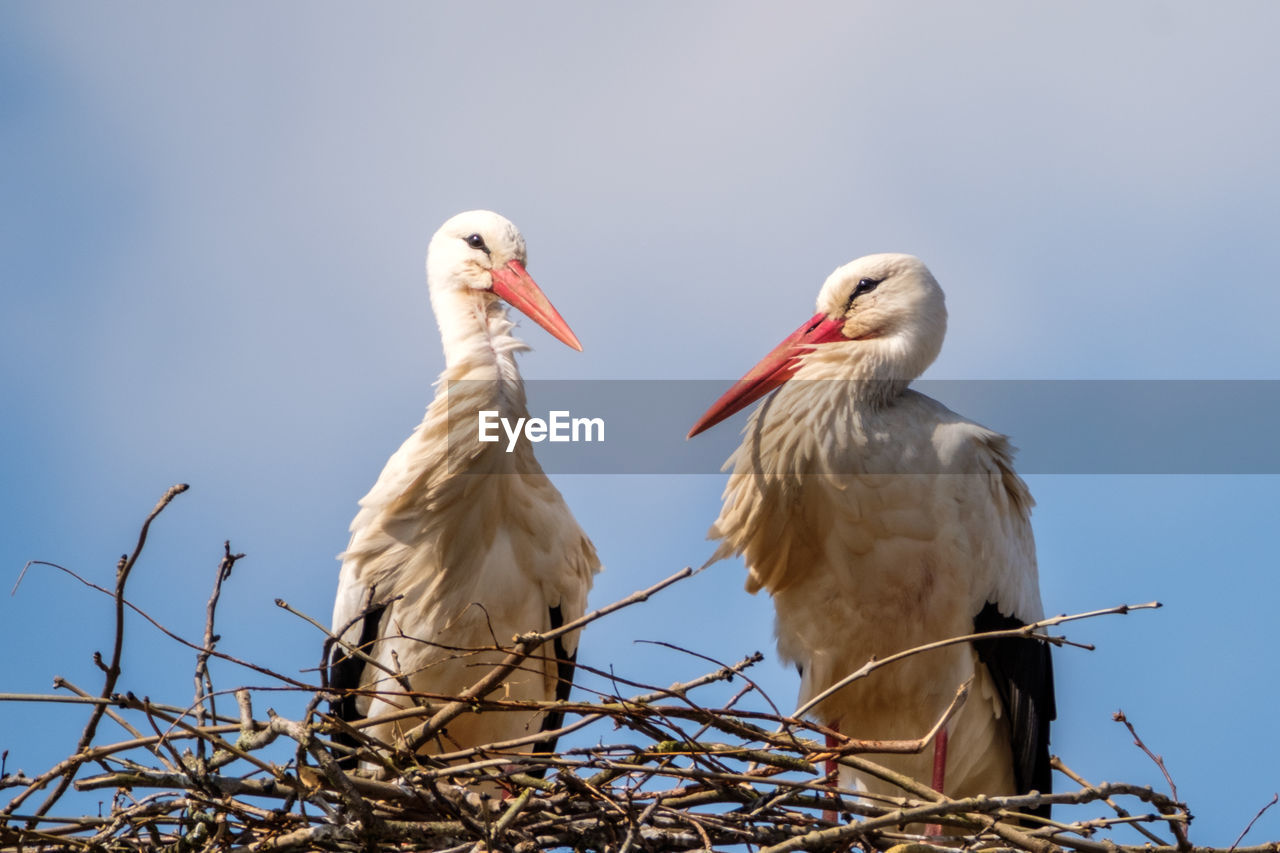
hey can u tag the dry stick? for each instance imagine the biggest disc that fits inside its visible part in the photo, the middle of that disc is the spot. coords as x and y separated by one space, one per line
245 702
656 693
681 744
1274 799
591 713
1056 763
205 733
1027 631
525 644
270 788
123 568
1086 827
620 707
633 826
335 638
353 651
417 695
640 706
701 830
164 740
170 715
854 745
752 684
1179 831
512 812
703 717
109 702
305 737
59 681
331 640
1119 717
842 757
682 696
99 752
1091 848
204 684
33 836
661 833
757 757
284 679
956 810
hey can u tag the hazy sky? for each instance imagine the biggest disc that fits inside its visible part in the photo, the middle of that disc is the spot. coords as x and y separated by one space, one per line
212 228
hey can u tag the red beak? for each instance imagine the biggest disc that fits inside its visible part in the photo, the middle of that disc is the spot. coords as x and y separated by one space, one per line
514 285
774 369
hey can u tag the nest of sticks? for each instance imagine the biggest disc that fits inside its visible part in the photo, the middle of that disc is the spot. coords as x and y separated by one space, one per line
666 770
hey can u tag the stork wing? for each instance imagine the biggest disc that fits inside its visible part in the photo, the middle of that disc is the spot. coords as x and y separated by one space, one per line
1022 670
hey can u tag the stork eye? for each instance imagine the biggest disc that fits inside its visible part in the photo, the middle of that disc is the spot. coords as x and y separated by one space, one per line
475 241
866 285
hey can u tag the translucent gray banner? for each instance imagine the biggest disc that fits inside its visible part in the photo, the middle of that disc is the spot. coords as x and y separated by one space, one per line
1058 426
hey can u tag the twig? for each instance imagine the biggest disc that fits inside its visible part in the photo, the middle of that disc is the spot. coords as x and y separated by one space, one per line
1056 763
123 568
690 775
284 679
1179 831
1274 799
1028 631
204 685
524 645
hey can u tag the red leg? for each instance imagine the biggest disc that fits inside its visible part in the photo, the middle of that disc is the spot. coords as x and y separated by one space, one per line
939 772
939 759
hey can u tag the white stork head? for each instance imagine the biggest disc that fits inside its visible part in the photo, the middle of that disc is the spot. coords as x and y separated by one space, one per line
482 252
879 317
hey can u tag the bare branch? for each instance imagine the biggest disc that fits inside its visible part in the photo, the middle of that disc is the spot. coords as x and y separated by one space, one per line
653 768
1274 799
123 568
204 685
1029 631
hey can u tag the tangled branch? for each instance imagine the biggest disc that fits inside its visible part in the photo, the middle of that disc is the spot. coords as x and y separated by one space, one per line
669 769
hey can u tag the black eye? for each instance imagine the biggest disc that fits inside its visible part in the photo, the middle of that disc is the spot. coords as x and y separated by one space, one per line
866 285
475 241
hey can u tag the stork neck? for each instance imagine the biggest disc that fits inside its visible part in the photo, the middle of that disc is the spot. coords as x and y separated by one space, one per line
872 372
476 333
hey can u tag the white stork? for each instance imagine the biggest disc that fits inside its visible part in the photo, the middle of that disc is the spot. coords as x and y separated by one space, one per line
461 545
879 520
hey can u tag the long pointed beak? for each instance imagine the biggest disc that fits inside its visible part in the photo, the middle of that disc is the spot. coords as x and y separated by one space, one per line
515 285
774 369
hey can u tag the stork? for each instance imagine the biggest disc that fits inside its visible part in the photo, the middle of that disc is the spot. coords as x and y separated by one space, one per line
461 545
879 520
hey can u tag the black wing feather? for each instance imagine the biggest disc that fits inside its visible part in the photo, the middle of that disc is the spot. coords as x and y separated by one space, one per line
345 672
566 662
1022 669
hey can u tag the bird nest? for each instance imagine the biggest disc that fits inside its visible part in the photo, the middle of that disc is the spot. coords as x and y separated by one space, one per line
666 770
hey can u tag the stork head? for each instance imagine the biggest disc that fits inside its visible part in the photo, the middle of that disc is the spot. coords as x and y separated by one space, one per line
881 316
481 251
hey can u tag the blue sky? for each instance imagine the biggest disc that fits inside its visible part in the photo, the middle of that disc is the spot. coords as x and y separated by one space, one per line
212 227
